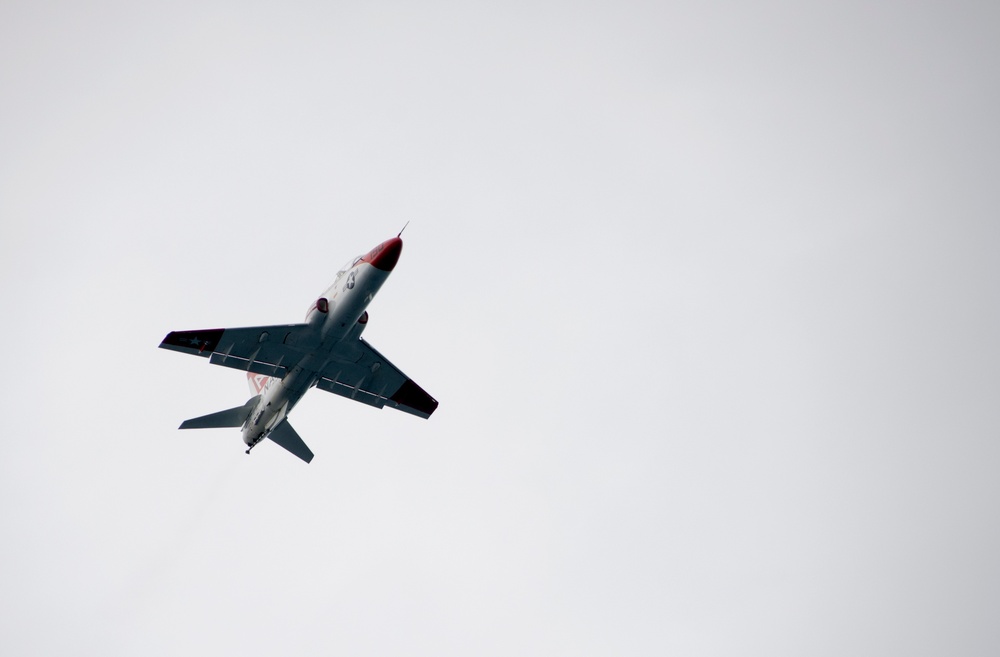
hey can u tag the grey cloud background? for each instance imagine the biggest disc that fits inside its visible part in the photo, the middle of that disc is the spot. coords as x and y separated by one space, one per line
707 291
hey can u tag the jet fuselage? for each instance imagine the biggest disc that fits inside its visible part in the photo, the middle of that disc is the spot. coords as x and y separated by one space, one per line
326 351
339 315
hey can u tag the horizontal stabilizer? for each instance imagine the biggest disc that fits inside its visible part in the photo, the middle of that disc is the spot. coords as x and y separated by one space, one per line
285 435
233 417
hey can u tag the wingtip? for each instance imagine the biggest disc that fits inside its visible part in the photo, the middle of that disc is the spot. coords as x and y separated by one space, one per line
413 396
202 342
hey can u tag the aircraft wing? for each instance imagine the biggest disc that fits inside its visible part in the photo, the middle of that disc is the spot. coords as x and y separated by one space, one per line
269 350
361 373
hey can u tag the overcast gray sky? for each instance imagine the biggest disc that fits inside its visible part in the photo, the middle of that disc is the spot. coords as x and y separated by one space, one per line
708 292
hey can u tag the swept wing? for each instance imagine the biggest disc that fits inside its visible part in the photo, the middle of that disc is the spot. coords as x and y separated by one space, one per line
356 370
270 350
361 373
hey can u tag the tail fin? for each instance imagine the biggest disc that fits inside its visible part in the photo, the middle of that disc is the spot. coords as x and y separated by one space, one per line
257 382
232 417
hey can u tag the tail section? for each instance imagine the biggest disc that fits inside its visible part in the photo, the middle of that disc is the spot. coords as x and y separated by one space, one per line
232 417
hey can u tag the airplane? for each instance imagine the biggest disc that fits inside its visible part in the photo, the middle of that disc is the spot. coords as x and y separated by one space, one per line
327 351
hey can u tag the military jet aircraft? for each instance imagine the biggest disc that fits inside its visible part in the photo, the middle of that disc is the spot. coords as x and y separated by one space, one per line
284 361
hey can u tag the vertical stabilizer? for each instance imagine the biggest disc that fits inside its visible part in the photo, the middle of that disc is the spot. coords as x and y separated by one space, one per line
257 382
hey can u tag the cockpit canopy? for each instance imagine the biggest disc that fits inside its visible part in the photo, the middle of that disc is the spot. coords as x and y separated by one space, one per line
347 267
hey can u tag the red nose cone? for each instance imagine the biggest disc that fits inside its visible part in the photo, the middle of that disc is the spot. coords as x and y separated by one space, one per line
385 255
